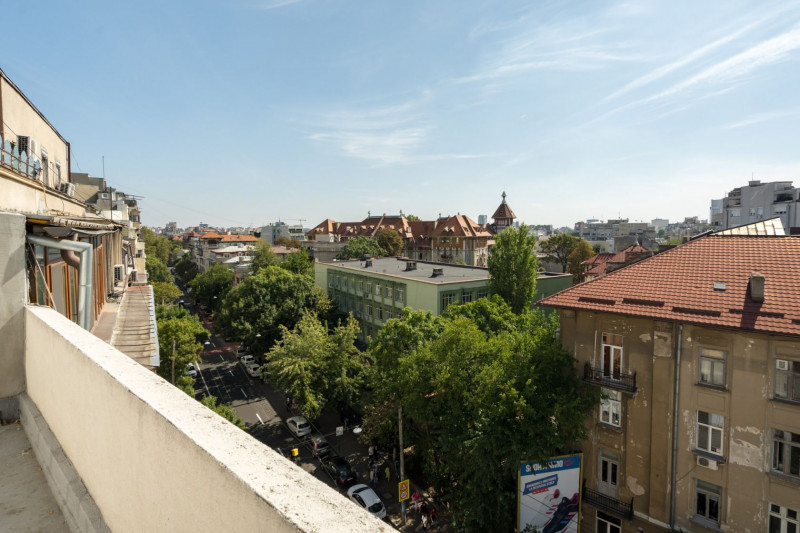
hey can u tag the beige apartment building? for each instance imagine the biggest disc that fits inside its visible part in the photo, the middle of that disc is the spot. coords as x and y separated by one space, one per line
697 353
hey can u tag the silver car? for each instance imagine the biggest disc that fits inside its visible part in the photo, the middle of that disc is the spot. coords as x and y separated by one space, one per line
366 498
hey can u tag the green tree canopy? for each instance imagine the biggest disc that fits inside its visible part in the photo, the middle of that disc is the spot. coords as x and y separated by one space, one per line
583 251
165 292
267 300
412 218
288 242
313 365
390 240
188 336
157 271
359 247
478 403
299 263
263 257
211 287
512 267
558 247
186 269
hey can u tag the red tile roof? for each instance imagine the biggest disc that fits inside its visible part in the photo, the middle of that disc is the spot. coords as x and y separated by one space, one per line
211 235
459 226
679 285
504 211
239 238
599 259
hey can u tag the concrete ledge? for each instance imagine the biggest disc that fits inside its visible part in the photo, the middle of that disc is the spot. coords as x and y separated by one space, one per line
77 505
154 459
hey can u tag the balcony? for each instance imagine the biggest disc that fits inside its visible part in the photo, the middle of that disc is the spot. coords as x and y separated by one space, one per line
609 504
123 450
625 382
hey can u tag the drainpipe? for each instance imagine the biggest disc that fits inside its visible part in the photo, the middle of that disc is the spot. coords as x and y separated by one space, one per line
673 488
84 266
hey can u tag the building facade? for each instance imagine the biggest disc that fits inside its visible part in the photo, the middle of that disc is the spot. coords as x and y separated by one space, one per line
758 201
697 353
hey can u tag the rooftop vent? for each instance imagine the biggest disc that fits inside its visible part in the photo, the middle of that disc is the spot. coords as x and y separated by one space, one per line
411 265
719 285
439 271
757 282
367 263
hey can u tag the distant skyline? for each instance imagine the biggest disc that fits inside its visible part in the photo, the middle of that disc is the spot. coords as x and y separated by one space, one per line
244 112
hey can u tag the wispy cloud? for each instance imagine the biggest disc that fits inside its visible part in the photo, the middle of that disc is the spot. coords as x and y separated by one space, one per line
763 117
385 135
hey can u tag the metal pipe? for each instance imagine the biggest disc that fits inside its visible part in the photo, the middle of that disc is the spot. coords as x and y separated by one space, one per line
84 272
674 475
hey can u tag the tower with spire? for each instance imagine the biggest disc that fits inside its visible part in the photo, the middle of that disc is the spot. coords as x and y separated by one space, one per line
503 216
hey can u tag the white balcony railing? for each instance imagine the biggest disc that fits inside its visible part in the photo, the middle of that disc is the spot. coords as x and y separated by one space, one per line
154 459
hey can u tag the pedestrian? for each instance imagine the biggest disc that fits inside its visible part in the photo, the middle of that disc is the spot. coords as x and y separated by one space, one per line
388 474
433 516
424 509
371 451
288 402
415 497
375 478
371 474
425 521
346 420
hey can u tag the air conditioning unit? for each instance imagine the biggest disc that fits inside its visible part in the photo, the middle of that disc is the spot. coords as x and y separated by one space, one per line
103 196
782 364
28 145
119 272
67 188
711 464
133 275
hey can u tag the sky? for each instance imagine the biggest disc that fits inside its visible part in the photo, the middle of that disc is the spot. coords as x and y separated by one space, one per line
244 112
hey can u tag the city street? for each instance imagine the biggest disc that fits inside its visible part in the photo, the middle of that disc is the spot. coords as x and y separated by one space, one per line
264 411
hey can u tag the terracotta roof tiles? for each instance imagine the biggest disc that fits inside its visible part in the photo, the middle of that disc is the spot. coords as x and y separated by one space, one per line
704 281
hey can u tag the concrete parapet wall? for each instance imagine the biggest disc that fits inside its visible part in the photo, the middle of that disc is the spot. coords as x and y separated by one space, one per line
153 458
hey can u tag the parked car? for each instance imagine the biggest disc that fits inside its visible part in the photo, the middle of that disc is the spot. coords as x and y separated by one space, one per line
191 370
366 498
241 351
319 445
340 470
248 359
299 426
254 369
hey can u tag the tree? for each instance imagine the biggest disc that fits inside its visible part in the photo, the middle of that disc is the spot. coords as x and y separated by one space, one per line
390 240
165 292
558 247
211 287
186 334
225 411
478 403
313 365
186 269
512 267
583 251
287 242
359 247
299 263
157 271
412 218
263 257
267 300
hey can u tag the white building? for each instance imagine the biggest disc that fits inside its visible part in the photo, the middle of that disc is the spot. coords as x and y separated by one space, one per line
757 201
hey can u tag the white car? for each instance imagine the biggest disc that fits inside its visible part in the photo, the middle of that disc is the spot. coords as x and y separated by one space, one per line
299 426
254 369
248 360
366 498
191 370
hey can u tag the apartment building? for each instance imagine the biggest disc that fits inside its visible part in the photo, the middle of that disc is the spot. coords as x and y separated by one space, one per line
757 201
205 244
276 230
697 353
377 289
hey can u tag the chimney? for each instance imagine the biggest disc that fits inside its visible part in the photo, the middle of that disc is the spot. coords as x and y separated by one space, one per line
439 271
368 263
757 282
411 265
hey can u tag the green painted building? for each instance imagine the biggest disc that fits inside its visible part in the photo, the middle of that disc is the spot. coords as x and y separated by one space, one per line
378 289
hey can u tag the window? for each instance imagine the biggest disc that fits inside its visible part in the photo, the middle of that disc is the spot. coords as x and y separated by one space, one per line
782 520
707 498
369 286
447 299
756 211
612 355
387 292
709 432
608 476
787 380
377 289
786 452
352 284
379 312
369 311
361 285
482 294
399 293
737 212
712 367
780 209
466 297
607 523
611 407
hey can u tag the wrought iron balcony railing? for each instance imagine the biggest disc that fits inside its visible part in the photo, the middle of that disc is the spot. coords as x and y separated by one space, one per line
607 503
623 381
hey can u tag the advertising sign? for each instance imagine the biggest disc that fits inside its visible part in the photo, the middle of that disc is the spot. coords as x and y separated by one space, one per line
549 497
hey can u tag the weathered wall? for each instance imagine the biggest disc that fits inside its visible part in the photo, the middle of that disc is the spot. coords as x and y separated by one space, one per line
13 297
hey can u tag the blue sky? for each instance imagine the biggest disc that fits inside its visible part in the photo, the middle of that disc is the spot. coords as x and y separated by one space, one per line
242 112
